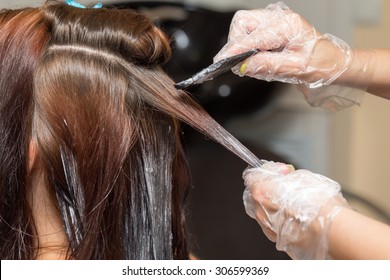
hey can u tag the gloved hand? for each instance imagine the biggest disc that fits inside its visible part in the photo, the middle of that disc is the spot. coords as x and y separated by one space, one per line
295 209
293 51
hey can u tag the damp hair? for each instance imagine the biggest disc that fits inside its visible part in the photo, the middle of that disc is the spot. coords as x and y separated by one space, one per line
105 119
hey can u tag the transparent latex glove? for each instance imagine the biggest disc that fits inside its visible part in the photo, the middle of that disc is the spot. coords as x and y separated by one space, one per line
294 208
293 51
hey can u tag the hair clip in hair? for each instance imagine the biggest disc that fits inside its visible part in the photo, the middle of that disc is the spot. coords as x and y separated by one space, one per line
78 5
98 6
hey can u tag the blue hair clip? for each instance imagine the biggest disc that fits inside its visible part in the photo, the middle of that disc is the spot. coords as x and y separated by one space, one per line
98 6
78 5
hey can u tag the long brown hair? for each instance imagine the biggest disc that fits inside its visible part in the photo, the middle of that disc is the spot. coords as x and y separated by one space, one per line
23 37
105 121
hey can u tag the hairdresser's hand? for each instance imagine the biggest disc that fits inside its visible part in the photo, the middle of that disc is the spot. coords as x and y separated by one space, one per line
294 208
299 53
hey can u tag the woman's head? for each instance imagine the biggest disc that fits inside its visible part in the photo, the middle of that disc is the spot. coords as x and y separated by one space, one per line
106 152
104 124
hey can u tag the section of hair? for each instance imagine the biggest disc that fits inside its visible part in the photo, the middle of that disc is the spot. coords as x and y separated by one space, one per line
128 34
23 36
114 162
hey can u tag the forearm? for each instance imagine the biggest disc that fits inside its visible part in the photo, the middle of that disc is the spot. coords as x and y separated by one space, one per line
355 236
380 83
369 70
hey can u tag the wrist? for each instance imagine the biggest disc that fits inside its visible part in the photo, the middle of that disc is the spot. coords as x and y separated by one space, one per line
329 59
360 71
348 87
321 226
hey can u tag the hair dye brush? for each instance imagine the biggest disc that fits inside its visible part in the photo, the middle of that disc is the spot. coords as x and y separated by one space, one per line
216 69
